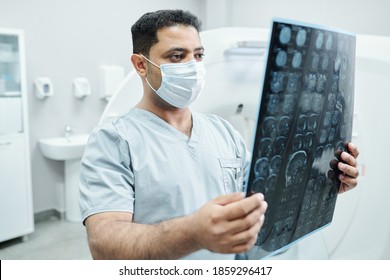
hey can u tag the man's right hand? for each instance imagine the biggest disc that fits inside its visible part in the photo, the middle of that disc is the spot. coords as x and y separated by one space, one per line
229 223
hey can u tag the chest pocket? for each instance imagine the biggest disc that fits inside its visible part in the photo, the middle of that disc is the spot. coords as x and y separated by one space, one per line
233 174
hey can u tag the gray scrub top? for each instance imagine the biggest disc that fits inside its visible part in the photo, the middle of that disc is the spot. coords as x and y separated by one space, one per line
140 164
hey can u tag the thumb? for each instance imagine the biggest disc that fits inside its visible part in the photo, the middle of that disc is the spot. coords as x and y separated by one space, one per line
228 198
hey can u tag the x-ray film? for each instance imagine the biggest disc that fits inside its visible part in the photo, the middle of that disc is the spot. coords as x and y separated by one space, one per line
304 122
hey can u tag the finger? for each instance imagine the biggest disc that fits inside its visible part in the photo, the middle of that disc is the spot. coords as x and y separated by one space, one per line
347 180
243 207
353 150
229 198
245 240
246 236
349 159
244 247
240 225
333 164
344 188
348 170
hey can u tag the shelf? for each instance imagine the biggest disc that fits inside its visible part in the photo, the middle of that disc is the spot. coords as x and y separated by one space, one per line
10 94
9 58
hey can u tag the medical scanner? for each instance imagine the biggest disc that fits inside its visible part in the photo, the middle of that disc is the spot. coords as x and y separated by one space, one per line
235 60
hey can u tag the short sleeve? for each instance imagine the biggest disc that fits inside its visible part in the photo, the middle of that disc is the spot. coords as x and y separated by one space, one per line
106 179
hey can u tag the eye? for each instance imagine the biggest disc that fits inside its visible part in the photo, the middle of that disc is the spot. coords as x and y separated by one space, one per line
176 57
199 56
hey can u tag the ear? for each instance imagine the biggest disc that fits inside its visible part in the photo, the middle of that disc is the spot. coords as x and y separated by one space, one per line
139 64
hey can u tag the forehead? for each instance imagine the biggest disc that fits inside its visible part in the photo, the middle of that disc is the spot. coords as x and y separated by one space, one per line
178 36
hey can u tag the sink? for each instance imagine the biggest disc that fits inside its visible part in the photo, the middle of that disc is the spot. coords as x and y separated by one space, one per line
70 150
64 148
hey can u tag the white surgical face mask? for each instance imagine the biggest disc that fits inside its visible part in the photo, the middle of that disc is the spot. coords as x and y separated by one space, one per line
181 83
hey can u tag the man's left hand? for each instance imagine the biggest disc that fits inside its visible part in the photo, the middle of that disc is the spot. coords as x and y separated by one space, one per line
348 167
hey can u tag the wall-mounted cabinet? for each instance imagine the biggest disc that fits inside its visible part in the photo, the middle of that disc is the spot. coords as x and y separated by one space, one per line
10 82
11 106
16 211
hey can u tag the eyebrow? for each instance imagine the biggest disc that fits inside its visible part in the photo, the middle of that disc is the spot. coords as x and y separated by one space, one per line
183 49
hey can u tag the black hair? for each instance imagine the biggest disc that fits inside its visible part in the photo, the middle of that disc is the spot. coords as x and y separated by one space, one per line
144 31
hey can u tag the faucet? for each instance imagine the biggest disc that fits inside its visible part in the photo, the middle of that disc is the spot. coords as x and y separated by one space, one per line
68 131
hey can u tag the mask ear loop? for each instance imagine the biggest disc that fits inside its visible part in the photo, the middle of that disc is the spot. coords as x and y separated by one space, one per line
150 85
145 77
150 61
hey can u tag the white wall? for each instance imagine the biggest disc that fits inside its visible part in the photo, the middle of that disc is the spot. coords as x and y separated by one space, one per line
66 39
359 16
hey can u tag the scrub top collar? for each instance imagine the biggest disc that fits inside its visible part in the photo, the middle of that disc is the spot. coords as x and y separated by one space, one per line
191 142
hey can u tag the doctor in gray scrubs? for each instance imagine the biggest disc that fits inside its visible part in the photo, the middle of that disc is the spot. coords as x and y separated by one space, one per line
161 181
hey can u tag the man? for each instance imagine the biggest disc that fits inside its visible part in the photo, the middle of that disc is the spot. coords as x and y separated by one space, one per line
162 182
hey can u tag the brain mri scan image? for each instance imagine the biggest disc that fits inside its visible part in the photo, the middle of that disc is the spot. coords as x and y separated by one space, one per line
305 120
